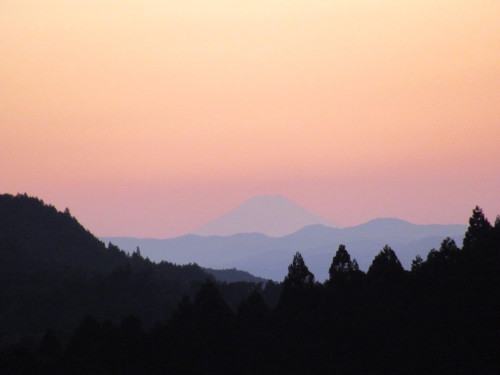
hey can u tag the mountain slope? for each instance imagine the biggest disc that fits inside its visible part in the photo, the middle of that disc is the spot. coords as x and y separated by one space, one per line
233 275
53 272
271 215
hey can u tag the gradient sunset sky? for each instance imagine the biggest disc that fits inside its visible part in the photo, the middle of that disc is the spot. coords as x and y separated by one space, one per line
150 118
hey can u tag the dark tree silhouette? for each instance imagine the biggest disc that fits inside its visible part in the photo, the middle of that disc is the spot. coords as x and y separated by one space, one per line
253 311
477 233
298 289
299 277
341 261
342 268
448 253
385 265
210 304
495 240
416 264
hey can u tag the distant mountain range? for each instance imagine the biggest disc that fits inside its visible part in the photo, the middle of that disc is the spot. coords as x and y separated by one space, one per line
234 276
272 215
269 257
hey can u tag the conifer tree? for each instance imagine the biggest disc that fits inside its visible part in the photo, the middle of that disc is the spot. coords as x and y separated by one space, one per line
342 268
417 263
385 264
299 276
478 231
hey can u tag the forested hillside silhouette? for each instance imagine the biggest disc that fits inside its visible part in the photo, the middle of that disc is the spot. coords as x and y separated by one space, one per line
441 317
53 272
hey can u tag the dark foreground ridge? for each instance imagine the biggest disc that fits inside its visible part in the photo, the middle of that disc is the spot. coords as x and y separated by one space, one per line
439 318
53 272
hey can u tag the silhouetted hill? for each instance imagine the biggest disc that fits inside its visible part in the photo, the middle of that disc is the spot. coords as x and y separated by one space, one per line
53 272
34 232
267 257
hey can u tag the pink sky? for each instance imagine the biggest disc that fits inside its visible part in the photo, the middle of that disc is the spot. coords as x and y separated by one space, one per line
151 118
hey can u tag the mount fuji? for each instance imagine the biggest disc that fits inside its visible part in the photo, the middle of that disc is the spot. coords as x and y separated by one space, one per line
272 215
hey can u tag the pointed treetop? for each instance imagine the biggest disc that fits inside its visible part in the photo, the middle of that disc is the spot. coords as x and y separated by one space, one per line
298 273
341 261
342 268
385 264
478 230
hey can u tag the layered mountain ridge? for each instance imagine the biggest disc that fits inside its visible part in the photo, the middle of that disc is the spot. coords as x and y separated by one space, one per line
269 257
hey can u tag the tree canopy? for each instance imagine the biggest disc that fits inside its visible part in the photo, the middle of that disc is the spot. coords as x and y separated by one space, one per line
299 276
342 268
385 265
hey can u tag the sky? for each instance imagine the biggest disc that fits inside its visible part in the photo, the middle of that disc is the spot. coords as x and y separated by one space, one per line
150 118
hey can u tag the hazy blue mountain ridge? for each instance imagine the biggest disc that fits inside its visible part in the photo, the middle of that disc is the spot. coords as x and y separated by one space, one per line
269 257
232 275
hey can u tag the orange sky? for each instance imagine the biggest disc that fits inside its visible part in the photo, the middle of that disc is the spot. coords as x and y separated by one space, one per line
149 118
